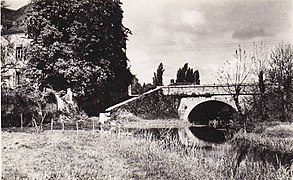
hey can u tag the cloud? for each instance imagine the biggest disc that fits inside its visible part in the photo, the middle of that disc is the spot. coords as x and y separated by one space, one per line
199 32
192 18
236 19
249 33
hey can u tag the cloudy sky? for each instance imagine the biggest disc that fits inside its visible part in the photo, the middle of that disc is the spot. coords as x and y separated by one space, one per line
203 33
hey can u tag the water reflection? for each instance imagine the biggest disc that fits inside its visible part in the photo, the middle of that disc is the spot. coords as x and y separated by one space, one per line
193 134
208 133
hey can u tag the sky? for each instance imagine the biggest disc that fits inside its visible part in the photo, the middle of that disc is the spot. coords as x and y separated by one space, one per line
202 33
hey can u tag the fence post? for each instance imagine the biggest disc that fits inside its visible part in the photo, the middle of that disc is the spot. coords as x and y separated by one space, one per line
21 121
93 121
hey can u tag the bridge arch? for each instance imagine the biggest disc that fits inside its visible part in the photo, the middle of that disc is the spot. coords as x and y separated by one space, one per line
211 112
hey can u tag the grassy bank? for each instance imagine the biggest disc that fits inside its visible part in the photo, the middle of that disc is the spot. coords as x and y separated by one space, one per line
55 155
269 144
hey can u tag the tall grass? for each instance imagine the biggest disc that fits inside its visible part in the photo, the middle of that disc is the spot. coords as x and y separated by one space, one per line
48 155
271 145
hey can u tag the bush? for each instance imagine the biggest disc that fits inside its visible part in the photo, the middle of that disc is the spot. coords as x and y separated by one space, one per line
21 102
25 104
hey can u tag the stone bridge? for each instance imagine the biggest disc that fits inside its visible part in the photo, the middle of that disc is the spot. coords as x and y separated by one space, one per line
198 104
202 100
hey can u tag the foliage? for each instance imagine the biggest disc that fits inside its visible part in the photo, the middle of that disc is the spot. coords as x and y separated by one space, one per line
147 87
273 100
136 87
151 106
158 77
187 75
26 105
80 45
4 4
280 74
22 101
7 50
275 89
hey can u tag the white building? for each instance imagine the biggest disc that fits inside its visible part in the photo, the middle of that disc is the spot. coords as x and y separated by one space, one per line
13 45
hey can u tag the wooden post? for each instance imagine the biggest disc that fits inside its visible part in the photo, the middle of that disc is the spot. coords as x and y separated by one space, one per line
36 126
62 122
52 123
21 121
119 130
93 121
76 128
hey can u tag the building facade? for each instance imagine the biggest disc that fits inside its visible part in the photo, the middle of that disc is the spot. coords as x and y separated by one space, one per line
13 46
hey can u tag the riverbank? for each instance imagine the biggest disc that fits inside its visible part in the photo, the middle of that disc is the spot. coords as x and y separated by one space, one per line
105 155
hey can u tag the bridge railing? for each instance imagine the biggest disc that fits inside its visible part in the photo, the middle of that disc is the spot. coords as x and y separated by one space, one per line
208 89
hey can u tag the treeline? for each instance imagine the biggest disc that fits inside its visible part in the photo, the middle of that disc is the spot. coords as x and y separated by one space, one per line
185 75
273 99
275 85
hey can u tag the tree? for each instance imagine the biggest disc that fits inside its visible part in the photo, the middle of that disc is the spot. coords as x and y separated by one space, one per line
20 106
136 87
273 100
280 75
4 4
234 75
158 77
147 87
196 77
187 75
80 45
260 62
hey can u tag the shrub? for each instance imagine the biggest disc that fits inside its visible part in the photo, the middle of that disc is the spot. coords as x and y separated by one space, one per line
26 105
20 103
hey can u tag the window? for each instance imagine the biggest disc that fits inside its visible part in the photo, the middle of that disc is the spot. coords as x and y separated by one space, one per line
18 78
19 53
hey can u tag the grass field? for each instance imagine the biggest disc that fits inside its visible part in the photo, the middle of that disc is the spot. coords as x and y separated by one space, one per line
102 155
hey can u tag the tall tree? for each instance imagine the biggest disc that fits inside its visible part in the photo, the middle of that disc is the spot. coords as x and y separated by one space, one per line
187 75
196 77
158 77
81 45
